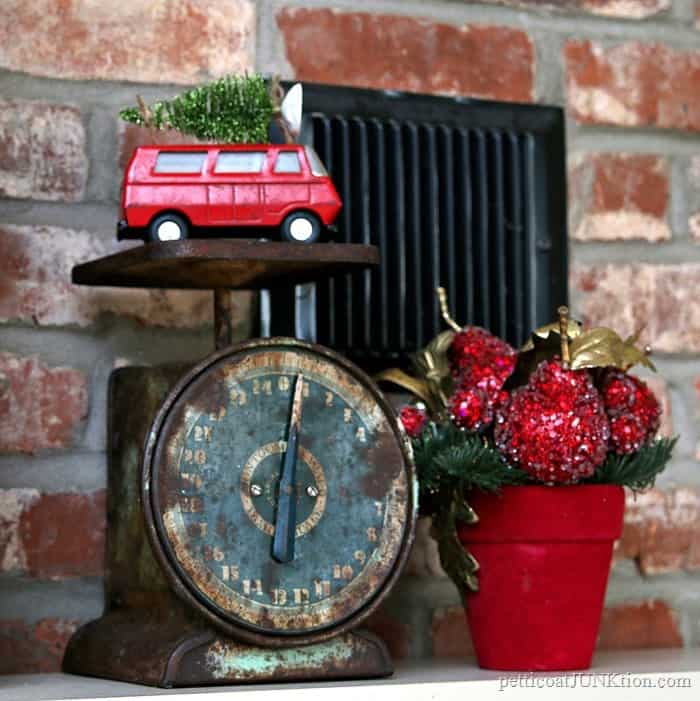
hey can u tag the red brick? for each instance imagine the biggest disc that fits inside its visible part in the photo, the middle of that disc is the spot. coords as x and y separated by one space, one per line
42 407
660 299
697 416
13 502
35 286
63 535
33 648
694 225
42 151
625 9
647 624
633 84
397 634
148 41
694 198
617 196
450 633
662 530
406 53
52 536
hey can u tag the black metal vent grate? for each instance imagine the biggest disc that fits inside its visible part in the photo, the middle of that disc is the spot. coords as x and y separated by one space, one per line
461 193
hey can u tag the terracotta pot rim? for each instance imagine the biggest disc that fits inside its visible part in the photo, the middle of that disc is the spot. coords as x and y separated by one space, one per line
557 487
541 514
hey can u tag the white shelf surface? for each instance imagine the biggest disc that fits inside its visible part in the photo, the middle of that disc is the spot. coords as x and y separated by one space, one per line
635 674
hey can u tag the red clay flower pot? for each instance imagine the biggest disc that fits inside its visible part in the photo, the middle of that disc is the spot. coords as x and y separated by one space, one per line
545 556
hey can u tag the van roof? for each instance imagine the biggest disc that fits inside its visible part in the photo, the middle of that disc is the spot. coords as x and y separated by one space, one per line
209 147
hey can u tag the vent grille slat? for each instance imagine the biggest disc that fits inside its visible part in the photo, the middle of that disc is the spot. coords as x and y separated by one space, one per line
326 297
480 249
464 231
344 295
397 250
530 242
429 234
378 215
364 225
517 298
497 239
458 193
446 233
414 267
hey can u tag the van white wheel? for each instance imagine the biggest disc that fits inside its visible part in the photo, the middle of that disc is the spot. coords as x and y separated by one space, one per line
301 227
168 227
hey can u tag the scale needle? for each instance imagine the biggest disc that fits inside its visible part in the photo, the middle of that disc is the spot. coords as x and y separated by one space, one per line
285 521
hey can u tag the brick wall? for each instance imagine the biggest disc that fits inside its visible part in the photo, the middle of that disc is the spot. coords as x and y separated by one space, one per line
628 73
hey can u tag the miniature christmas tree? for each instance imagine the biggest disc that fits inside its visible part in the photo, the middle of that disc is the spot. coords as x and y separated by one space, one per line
233 109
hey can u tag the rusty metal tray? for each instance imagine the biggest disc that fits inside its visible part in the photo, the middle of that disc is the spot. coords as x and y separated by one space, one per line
235 264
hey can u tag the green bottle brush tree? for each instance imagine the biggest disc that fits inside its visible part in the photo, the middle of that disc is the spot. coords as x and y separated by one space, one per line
233 109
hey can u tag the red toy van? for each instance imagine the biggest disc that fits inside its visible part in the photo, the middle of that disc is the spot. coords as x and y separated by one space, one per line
170 192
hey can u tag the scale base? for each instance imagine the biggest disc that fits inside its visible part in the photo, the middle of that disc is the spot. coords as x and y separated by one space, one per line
126 646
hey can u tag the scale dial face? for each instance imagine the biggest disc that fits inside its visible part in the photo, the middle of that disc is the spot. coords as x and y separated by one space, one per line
211 490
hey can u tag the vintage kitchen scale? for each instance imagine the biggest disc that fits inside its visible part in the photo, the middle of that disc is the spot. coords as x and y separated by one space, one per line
261 503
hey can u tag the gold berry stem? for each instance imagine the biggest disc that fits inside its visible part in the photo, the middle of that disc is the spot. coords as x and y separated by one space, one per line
564 334
442 297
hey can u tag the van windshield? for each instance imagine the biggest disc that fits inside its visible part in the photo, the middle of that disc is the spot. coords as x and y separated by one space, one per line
316 164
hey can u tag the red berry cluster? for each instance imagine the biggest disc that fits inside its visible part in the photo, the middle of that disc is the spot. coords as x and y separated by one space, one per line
560 426
555 427
413 420
481 363
633 409
471 409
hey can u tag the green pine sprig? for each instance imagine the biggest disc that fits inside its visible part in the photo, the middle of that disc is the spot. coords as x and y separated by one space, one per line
450 462
448 458
233 109
637 470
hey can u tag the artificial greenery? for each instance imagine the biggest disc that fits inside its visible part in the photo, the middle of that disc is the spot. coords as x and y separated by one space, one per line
233 109
451 462
448 458
637 470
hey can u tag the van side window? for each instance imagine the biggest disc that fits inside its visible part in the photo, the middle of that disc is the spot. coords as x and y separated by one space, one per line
288 162
180 162
240 162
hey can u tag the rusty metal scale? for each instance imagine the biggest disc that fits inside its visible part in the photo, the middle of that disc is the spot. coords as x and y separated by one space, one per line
261 503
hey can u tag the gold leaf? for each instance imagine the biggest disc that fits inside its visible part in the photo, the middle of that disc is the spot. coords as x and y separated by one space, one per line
631 355
432 364
573 330
472 583
634 338
434 355
415 386
597 348
471 564
603 347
